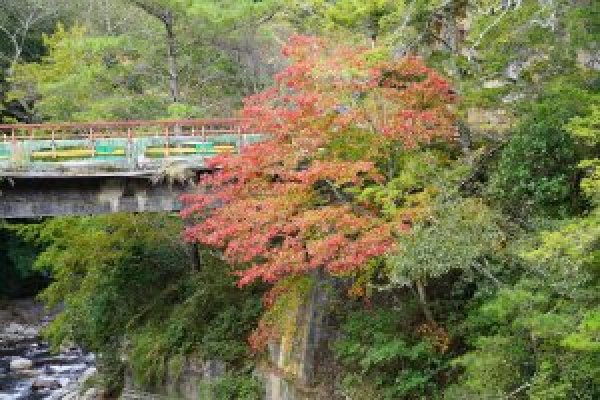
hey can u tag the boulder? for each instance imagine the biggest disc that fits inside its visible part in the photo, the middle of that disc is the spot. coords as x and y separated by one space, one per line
43 382
589 59
31 331
91 394
88 374
20 363
14 329
69 396
18 330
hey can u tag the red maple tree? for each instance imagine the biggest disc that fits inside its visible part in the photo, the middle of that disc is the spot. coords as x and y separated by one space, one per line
286 206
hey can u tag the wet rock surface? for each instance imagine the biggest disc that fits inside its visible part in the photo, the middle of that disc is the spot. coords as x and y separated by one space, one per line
28 369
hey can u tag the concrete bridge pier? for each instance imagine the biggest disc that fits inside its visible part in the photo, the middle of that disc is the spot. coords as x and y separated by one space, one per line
30 196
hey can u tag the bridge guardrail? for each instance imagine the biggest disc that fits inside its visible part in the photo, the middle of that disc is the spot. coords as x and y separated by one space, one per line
124 145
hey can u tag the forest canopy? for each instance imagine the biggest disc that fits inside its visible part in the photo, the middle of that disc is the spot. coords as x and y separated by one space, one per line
431 176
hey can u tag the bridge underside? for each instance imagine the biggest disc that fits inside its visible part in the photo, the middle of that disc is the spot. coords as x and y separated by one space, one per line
30 197
107 167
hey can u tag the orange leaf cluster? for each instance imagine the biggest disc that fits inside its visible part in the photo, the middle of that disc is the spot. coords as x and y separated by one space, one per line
283 206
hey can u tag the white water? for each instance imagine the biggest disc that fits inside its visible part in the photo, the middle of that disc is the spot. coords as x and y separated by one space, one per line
64 369
50 376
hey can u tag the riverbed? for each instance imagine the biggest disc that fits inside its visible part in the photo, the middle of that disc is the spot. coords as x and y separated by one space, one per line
28 369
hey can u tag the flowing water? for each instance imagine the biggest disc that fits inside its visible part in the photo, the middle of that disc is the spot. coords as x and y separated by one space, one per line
28 369
49 376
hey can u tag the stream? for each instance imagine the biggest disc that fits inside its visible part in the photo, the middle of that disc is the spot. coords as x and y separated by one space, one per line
28 369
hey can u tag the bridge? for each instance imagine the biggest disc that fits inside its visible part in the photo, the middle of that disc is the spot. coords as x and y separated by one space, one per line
104 167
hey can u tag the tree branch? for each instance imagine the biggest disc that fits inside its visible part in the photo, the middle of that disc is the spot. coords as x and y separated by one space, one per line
152 10
488 274
518 390
341 196
487 29
422 296
13 38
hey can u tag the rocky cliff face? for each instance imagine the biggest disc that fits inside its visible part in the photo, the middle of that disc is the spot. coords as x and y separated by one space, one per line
300 365
185 382
295 368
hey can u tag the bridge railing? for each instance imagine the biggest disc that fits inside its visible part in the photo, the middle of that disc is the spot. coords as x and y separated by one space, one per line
125 145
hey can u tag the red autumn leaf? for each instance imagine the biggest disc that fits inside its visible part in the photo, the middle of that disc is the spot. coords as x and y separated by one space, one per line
283 207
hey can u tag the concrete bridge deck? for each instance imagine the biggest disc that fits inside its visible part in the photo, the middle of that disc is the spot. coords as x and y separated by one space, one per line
103 167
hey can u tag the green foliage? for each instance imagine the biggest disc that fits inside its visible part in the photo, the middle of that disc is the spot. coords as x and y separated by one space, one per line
414 182
493 369
459 236
104 269
183 111
570 253
371 17
23 22
86 78
583 24
536 172
230 387
112 63
529 342
376 354
539 337
366 19
17 257
585 339
586 129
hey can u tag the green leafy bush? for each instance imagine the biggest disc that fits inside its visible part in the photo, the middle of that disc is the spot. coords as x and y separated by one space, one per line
536 172
538 339
129 288
17 256
232 387
378 358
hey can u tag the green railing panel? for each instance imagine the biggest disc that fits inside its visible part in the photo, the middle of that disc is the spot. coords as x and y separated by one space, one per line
118 153
105 149
205 147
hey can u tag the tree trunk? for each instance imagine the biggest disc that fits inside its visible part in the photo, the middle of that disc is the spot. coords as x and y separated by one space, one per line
172 56
195 260
193 249
167 17
423 301
464 138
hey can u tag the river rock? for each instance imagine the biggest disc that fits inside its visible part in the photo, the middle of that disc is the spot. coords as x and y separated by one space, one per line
19 330
44 382
4 367
87 374
14 329
91 394
20 363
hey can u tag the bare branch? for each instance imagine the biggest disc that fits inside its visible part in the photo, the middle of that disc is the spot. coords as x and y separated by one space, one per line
151 9
26 15
518 390
488 28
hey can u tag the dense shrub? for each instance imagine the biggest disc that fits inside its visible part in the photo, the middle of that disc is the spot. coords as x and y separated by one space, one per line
536 172
381 359
129 288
